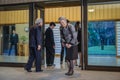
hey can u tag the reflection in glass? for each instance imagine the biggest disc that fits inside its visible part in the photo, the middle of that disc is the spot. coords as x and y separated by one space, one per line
103 35
102 43
14 18
15 48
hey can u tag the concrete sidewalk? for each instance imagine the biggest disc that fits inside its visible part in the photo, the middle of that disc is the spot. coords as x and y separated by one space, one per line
12 73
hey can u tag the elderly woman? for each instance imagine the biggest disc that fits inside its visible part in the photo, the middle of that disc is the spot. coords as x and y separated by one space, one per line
69 40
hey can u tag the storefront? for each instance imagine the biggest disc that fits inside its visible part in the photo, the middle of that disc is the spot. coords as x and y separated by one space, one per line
100 21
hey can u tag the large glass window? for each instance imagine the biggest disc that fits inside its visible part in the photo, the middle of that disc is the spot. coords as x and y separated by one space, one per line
14 48
103 35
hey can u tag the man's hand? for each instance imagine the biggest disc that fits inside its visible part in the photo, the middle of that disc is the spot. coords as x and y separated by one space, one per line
54 46
39 47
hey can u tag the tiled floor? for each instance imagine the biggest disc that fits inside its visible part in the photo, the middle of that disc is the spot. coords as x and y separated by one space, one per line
12 73
56 73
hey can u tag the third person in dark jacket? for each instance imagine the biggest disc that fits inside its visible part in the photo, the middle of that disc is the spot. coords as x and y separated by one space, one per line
78 29
50 45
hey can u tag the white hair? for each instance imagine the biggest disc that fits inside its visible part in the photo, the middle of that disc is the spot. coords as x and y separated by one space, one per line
62 18
39 20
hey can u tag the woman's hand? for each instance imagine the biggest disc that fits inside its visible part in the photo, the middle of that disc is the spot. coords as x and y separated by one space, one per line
54 46
68 45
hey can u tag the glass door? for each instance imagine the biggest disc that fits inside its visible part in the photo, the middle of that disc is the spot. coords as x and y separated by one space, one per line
14 47
103 35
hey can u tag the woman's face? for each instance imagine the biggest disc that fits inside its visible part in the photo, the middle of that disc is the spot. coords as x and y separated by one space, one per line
63 23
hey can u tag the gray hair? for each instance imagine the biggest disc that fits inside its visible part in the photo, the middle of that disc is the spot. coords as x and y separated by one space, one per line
62 18
39 20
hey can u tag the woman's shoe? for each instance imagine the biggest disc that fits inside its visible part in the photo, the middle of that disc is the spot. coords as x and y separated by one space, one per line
67 73
70 73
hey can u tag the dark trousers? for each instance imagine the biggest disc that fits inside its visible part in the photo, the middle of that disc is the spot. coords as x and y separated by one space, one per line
34 55
62 54
50 56
11 45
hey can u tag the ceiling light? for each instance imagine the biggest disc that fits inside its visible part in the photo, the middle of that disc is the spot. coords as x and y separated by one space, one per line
91 10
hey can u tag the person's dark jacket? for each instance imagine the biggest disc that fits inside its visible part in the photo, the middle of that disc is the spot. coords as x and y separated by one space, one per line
38 37
14 38
49 40
79 35
32 42
35 37
69 35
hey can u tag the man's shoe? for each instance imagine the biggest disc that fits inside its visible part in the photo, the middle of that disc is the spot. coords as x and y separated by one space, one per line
27 69
53 65
39 71
61 62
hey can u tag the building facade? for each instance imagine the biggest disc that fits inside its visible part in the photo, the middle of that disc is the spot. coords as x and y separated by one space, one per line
100 22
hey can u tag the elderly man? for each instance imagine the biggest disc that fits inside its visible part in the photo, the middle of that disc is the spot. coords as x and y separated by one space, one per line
35 42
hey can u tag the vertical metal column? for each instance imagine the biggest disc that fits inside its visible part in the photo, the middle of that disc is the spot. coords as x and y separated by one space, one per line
32 14
84 33
42 11
1 40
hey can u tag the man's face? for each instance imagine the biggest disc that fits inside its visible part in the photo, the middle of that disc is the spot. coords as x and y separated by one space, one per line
40 24
63 23
53 26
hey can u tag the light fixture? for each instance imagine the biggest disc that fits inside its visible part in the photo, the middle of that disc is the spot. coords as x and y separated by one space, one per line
91 10
26 29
